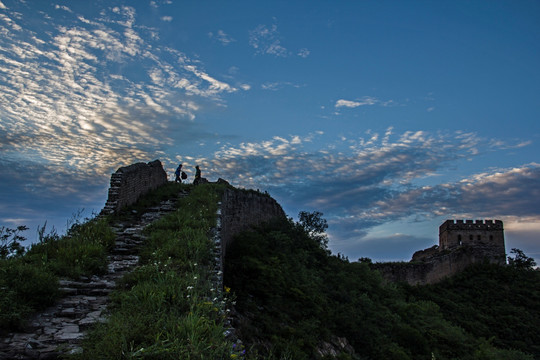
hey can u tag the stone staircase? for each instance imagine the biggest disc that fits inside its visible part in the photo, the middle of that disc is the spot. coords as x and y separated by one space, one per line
60 328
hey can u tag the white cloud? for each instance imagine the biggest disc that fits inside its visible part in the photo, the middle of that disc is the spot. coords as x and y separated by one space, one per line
366 100
347 103
353 104
2 6
277 85
303 53
167 18
266 41
222 37
63 7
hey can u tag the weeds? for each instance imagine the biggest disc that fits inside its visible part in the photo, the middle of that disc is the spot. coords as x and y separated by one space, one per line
81 252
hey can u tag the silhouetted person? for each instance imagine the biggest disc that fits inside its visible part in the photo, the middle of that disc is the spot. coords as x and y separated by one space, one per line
178 173
197 175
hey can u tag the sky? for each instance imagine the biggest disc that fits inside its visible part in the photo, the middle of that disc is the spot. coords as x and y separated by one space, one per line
389 117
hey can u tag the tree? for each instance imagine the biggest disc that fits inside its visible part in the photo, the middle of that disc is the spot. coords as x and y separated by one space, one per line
314 225
520 260
10 241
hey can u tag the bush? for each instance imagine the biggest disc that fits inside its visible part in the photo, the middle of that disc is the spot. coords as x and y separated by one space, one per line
25 288
29 282
81 252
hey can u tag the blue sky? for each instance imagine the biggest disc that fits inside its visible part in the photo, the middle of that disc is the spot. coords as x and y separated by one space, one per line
387 116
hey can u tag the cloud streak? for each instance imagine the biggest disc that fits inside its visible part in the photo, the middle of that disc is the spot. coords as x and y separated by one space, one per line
222 37
365 181
353 104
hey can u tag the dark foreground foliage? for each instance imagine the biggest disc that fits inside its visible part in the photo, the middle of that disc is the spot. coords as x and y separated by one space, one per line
492 302
293 296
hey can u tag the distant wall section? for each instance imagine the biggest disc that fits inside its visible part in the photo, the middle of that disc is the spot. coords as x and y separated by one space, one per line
128 183
461 244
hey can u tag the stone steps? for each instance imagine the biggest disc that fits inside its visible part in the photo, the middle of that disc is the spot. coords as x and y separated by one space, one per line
59 329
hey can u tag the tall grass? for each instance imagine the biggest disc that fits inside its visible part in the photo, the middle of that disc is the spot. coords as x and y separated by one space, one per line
29 281
81 252
170 307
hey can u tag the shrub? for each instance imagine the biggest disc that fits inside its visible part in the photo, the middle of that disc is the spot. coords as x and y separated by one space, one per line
25 288
81 252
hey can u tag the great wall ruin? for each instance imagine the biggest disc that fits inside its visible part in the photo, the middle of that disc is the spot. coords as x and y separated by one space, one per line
60 328
461 243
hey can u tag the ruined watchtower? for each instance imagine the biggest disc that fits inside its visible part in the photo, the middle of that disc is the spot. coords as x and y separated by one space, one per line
487 235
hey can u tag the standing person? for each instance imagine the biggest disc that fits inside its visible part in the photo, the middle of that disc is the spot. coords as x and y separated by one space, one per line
177 173
197 175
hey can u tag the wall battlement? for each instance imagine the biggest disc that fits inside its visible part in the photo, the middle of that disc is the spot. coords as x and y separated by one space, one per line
471 224
479 233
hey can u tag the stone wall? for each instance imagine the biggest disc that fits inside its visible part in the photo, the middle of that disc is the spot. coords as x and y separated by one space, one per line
434 268
128 183
240 210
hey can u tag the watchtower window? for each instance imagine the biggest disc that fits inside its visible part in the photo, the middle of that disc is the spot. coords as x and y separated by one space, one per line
470 237
459 239
490 237
479 237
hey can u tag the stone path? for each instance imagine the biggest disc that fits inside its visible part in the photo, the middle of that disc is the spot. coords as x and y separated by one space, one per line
60 328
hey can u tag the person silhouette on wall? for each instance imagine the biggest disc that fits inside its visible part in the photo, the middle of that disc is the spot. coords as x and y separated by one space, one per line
197 175
178 172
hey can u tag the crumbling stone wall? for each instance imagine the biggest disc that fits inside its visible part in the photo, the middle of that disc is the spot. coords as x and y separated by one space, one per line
433 269
240 210
128 183
461 244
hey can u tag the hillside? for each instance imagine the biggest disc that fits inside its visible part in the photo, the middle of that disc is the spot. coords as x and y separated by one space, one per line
296 300
284 294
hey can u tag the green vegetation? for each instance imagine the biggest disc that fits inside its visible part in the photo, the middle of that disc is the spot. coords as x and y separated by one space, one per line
170 308
293 296
501 304
29 279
